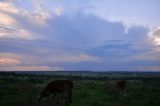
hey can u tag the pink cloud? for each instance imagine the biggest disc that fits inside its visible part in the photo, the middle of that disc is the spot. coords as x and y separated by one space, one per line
8 61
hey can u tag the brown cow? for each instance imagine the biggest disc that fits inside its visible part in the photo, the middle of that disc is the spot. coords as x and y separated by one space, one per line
56 87
119 88
121 84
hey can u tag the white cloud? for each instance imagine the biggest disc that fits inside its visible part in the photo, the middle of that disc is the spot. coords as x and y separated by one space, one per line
9 26
15 32
64 40
36 17
155 36
6 19
58 11
8 7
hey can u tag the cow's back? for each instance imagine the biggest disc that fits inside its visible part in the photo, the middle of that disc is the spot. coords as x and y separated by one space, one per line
59 84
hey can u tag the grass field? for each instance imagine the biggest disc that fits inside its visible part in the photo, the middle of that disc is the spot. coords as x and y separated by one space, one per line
23 90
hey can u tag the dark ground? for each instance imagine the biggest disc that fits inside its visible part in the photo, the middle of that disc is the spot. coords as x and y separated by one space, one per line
90 88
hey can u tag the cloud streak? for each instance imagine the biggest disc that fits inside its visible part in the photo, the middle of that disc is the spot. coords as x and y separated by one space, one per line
9 61
30 68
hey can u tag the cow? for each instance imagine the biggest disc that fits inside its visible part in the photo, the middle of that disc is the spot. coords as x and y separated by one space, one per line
58 87
121 85
119 88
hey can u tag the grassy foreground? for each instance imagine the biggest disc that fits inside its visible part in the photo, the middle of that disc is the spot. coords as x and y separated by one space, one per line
24 91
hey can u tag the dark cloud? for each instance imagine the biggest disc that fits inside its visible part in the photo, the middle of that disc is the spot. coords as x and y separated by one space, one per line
116 46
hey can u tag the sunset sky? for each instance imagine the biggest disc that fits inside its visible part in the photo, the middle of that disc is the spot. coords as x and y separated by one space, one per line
93 35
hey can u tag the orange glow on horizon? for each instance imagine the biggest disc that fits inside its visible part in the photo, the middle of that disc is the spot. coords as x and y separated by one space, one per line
9 61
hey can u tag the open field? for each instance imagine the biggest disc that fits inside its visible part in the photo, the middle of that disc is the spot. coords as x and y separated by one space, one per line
90 88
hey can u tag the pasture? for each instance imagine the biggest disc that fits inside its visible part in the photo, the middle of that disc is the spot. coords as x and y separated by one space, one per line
24 90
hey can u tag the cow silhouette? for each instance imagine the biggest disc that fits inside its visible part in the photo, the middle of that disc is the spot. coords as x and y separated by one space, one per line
119 88
121 85
58 87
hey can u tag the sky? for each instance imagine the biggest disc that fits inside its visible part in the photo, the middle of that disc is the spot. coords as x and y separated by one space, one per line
91 35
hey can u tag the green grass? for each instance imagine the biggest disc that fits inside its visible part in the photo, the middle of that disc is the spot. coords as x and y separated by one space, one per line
85 93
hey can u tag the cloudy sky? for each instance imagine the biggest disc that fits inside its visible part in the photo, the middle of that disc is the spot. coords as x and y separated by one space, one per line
97 35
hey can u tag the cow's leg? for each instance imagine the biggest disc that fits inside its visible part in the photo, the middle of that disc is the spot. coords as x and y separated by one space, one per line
67 103
55 98
70 96
41 99
67 98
